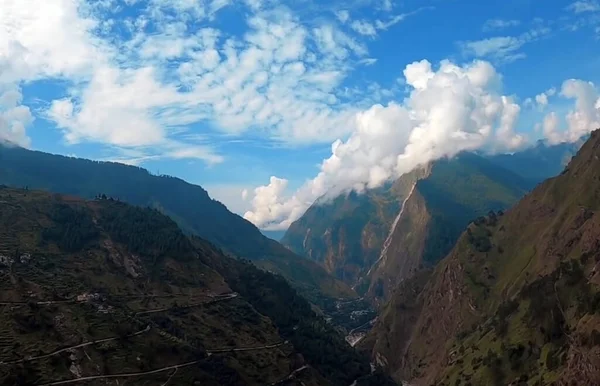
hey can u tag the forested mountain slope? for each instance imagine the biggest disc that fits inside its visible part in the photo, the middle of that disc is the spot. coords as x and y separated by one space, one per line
517 300
377 239
111 293
189 205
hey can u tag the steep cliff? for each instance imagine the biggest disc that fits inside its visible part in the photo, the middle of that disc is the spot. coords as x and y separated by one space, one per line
375 240
346 234
516 300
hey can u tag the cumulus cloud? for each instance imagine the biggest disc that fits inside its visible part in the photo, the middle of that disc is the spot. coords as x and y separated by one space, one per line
583 118
40 39
541 100
14 117
140 80
449 110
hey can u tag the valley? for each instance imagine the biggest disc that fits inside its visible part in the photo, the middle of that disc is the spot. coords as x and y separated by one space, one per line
103 292
373 241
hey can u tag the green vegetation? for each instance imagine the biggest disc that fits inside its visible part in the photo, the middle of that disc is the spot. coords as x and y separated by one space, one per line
146 232
460 190
517 299
188 205
72 228
135 294
319 342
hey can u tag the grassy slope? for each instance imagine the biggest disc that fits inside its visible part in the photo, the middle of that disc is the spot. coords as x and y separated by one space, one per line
189 205
518 295
459 190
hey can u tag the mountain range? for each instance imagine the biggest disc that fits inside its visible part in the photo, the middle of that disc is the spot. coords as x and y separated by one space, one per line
107 292
517 299
374 240
189 205
481 275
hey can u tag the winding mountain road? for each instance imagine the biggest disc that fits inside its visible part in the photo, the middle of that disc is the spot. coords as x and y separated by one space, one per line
220 298
30 359
166 368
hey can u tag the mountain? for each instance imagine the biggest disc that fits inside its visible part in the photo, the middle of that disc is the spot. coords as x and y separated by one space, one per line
377 239
274 235
189 205
516 301
107 292
539 162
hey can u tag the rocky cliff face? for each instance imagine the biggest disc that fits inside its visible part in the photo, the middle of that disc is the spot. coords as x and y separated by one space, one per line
402 251
516 300
346 235
376 240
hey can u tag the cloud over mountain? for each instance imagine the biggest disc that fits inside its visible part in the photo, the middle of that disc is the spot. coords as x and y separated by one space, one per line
449 109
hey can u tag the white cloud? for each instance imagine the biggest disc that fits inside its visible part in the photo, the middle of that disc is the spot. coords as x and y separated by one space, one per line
583 118
343 15
115 108
368 61
449 110
583 6
14 117
229 195
498 24
371 28
139 80
387 5
541 99
503 49
363 27
550 127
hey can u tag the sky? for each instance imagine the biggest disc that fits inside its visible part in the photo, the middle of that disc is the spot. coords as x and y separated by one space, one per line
271 104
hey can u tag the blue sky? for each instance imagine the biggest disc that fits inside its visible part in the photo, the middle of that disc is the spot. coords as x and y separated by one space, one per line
270 104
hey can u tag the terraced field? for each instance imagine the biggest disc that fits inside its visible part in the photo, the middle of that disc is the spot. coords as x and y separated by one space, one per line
79 304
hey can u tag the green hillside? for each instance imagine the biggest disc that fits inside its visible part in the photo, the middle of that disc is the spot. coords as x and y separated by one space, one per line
115 293
517 300
348 235
189 205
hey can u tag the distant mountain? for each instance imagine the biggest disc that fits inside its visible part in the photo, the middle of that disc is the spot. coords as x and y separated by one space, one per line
539 162
189 205
516 301
377 239
274 235
115 293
